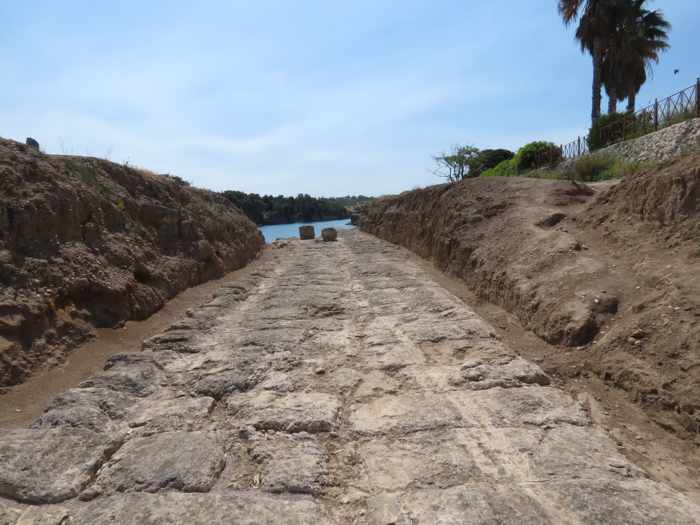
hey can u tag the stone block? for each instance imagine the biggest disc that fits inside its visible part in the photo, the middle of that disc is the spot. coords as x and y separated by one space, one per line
307 233
329 234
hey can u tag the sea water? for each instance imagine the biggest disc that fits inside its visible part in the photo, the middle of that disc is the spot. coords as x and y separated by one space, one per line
284 231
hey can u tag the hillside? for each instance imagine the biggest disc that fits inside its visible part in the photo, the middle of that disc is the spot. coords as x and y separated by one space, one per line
268 209
88 243
606 273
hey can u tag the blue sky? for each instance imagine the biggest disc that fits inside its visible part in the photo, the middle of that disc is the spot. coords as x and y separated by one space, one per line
320 97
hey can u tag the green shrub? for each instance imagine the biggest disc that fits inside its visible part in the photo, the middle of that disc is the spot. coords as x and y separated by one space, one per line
591 167
609 129
488 159
537 155
506 168
621 168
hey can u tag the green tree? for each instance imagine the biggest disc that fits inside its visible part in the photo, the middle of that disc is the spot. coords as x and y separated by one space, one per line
640 35
456 165
487 159
592 33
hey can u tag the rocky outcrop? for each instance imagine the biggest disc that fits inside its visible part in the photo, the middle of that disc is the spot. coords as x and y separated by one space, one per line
88 243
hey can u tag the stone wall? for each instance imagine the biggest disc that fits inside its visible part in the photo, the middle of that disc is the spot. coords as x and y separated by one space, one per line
663 145
666 144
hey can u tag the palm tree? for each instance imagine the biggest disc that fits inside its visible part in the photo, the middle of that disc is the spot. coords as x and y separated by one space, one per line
592 32
640 36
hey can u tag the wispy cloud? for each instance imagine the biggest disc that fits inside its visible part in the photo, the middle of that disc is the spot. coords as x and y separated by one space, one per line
275 97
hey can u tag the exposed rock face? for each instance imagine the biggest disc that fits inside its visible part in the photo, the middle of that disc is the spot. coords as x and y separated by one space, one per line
88 243
307 233
329 234
397 406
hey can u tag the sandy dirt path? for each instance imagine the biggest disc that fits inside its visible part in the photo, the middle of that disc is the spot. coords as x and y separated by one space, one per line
337 383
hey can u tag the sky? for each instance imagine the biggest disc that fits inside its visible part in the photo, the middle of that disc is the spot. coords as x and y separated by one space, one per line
307 96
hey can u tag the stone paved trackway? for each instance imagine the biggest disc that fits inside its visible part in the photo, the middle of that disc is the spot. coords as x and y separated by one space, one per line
338 384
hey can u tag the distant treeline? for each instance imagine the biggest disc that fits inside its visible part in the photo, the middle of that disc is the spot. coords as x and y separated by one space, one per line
267 209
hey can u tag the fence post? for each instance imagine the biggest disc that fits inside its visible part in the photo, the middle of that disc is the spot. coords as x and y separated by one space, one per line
578 148
697 97
656 114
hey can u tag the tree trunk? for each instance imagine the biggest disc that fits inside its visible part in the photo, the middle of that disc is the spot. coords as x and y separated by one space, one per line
597 79
612 103
631 101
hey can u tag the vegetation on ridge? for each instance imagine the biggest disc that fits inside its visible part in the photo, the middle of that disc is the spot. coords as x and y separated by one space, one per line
268 209
623 38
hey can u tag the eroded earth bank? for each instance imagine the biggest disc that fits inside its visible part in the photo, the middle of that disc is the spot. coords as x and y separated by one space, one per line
86 243
607 275
338 383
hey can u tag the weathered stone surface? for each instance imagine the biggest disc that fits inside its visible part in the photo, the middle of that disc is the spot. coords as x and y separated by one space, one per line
174 341
424 459
365 393
219 384
405 413
170 414
293 463
329 234
50 465
509 371
478 504
9 515
41 516
527 406
241 508
133 374
294 412
594 501
184 461
307 233
95 409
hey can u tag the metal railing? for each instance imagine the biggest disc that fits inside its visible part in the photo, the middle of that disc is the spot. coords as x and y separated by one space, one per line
575 148
677 108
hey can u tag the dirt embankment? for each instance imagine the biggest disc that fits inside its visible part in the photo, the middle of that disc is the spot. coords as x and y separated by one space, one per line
88 243
610 273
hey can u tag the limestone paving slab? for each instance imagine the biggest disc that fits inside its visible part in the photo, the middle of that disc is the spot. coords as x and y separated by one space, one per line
291 463
185 461
49 465
294 412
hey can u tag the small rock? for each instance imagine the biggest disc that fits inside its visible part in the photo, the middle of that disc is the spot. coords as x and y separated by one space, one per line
329 234
307 233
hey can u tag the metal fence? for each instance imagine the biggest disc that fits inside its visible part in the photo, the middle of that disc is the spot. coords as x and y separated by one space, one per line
679 107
